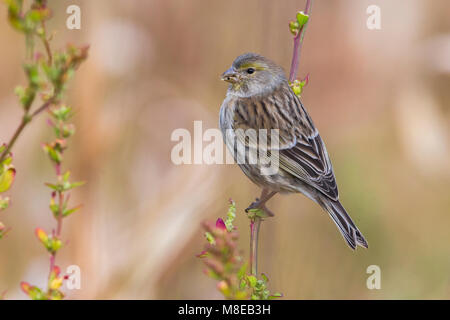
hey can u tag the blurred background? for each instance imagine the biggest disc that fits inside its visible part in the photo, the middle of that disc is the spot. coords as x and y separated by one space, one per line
380 98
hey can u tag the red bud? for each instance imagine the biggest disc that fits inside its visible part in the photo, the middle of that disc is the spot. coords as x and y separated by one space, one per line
220 224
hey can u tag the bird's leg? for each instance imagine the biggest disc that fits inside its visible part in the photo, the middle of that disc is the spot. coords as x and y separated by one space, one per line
260 203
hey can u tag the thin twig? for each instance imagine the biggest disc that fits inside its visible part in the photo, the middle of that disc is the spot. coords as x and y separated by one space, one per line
60 213
57 233
298 41
43 107
59 217
13 139
25 120
46 44
52 264
254 232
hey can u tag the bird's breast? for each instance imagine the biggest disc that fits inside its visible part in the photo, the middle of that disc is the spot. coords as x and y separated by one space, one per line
227 110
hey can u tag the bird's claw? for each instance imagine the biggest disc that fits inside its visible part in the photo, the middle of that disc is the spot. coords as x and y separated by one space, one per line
257 205
254 205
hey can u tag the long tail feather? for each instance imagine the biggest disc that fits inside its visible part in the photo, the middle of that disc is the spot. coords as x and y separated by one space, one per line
343 221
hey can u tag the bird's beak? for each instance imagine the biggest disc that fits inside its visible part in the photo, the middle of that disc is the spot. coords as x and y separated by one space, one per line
230 76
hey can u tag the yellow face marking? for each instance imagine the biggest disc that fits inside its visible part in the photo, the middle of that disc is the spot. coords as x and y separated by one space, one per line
254 65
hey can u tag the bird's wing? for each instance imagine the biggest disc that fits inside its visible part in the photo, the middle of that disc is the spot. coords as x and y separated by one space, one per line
301 151
308 161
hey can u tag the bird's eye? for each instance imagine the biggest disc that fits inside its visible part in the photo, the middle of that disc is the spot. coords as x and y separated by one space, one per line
250 70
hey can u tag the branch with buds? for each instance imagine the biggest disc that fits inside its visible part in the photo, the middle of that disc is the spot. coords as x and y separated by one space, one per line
298 29
47 76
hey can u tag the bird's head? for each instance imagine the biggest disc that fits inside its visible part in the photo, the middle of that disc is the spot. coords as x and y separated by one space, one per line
252 74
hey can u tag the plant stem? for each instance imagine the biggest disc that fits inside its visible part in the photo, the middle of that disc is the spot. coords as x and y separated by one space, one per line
52 264
298 41
254 232
59 218
43 107
46 44
60 214
57 233
25 120
13 139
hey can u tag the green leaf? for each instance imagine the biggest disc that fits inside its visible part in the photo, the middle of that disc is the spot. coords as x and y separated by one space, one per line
70 211
66 176
242 270
55 187
6 162
32 72
14 12
264 277
252 281
54 154
68 186
6 179
302 18
275 296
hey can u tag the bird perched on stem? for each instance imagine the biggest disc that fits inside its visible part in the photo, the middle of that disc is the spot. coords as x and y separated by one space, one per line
259 99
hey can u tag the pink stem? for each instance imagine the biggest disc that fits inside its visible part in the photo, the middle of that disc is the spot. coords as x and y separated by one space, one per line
254 231
52 263
59 220
298 41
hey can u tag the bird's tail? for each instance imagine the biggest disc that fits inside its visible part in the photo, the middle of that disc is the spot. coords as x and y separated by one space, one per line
345 224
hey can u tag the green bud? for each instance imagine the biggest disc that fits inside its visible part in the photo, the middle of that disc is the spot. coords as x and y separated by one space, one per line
294 27
302 18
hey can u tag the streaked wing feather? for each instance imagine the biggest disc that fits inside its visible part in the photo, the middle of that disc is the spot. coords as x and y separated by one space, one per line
302 152
308 159
310 163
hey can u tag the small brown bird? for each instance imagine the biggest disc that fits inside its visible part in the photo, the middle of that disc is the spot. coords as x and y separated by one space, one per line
259 97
